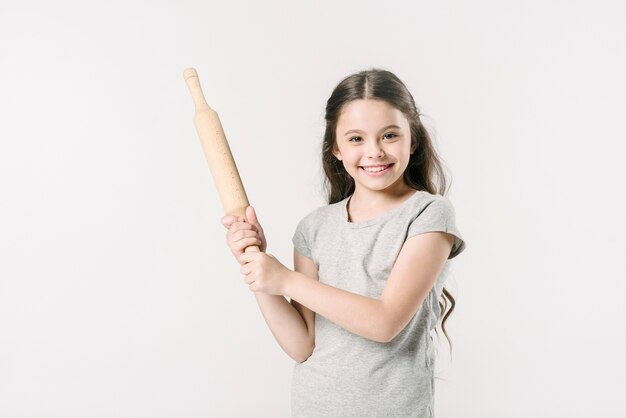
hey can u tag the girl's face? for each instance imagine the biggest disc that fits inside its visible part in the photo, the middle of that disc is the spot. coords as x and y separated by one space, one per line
371 134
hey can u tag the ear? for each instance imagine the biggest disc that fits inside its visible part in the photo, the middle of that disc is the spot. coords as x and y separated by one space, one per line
413 146
336 153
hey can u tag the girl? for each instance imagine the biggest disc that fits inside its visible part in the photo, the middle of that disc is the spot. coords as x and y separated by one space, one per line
369 267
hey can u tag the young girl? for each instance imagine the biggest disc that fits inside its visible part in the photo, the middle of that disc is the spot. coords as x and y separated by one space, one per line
369 267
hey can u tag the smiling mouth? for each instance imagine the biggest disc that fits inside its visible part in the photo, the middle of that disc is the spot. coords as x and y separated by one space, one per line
379 168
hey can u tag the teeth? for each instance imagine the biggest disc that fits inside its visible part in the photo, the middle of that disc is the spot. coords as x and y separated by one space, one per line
374 170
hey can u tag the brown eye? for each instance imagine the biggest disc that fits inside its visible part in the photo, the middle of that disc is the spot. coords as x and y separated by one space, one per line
390 133
354 138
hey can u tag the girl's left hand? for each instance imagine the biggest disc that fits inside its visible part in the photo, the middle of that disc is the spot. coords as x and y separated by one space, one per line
264 273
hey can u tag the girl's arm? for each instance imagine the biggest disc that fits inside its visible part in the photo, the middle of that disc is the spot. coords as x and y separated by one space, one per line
292 324
414 273
283 319
286 324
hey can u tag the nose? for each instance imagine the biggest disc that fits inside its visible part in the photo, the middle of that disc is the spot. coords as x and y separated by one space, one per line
375 150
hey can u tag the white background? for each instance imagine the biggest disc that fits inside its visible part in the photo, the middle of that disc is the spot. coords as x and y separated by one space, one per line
118 294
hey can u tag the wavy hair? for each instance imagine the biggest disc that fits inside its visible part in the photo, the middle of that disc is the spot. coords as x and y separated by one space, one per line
425 168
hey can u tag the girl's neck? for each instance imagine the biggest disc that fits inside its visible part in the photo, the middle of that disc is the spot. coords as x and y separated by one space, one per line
365 204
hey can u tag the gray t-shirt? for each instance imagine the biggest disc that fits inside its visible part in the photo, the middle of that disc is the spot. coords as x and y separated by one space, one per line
348 375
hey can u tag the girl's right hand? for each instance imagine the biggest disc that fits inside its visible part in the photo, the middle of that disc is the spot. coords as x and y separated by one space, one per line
241 234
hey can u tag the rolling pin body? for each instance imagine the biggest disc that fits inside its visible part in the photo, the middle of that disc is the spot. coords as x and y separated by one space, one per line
217 153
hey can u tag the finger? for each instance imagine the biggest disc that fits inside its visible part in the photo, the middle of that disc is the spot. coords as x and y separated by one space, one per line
252 217
244 269
238 234
241 225
232 220
234 225
247 257
243 235
251 214
248 242
227 220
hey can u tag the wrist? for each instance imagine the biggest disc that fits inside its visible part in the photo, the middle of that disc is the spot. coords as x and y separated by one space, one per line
290 279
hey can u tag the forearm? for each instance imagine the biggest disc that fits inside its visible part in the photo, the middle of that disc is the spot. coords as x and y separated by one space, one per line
358 314
286 324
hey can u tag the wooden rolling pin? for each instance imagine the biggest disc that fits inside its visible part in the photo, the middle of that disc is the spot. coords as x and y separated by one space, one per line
217 153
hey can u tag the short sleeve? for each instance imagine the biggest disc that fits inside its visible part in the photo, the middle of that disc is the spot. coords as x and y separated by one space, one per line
300 241
438 215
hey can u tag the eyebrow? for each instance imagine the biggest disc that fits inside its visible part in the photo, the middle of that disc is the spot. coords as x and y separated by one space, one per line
360 131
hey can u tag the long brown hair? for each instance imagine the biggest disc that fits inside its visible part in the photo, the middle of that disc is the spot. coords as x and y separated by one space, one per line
424 165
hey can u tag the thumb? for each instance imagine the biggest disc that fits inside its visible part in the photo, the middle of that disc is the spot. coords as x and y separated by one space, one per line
252 218
251 215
